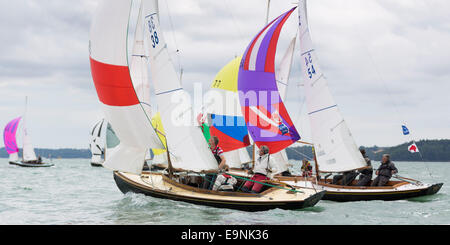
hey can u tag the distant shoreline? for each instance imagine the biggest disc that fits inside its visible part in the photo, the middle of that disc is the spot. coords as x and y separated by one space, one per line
431 150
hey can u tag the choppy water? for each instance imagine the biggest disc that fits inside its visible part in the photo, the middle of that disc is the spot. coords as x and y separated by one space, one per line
73 192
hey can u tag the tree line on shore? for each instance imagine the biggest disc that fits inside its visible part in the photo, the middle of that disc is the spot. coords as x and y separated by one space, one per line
431 151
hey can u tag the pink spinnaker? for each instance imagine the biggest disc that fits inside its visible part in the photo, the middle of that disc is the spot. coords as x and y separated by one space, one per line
9 136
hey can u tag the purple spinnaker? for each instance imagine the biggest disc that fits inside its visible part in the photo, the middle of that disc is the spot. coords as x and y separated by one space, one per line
9 136
266 117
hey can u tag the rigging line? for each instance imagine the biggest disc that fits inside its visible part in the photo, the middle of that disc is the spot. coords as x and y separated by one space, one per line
234 20
177 53
307 157
391 97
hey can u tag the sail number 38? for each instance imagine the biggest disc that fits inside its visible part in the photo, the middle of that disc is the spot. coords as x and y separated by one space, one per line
153 33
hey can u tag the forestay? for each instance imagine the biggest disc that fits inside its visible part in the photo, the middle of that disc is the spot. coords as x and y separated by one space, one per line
335 148
188 149
111 75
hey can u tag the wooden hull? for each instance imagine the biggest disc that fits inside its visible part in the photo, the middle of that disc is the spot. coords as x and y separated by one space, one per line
381 194
240 201
32 165
395 190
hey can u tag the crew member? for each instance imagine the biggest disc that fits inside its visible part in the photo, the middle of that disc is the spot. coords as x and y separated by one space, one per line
366 174
260 172
306 168
385 171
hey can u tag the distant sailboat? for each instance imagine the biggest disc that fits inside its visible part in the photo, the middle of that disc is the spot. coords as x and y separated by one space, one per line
103 139
29 158
188 154
97 144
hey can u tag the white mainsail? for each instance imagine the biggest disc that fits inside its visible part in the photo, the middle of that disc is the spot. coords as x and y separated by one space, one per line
28 149
111 75
188 149
335 148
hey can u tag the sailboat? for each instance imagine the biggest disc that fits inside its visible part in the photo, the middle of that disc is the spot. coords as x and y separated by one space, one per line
334 147
97 145
225 116
29 158
188 154
103 139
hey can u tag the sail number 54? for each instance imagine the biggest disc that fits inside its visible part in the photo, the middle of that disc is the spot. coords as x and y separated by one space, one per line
309 66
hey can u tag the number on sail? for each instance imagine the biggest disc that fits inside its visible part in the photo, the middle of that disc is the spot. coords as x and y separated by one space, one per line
311 70
153 33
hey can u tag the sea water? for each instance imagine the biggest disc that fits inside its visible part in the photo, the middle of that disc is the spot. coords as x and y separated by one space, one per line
73 192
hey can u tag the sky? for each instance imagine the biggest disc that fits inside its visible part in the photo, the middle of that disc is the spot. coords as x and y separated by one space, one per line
386 62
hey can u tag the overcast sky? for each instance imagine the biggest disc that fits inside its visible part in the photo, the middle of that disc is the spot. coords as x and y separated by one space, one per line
386 61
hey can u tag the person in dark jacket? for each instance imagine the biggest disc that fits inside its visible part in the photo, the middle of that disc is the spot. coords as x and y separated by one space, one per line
366 174
385 171
345 179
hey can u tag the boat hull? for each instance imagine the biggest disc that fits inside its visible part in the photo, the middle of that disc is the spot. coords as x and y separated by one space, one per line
32 165
127 185
395 190
96 164
385 195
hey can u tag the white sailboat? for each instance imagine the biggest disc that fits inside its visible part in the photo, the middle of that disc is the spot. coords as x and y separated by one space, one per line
29 158
188 153
97 145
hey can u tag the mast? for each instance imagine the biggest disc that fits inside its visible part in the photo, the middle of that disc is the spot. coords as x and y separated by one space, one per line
24 130
268 10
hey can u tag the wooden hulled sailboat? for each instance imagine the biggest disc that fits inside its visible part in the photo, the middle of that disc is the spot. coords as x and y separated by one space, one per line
334 147
29 158
188 154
